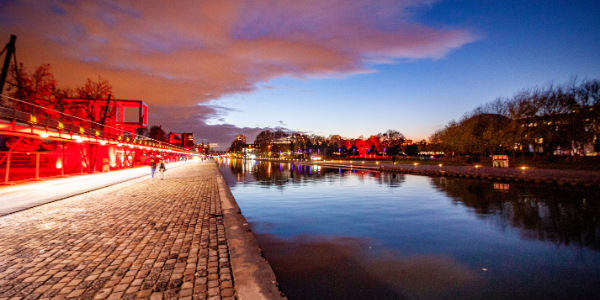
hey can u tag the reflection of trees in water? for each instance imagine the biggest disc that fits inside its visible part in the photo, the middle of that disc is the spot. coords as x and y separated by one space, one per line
561 216
391 179
282 174
382 178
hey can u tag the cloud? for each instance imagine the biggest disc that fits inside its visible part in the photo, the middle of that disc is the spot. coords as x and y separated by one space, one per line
196 119
189 52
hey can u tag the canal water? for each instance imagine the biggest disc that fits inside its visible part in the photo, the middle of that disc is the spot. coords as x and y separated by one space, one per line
331 233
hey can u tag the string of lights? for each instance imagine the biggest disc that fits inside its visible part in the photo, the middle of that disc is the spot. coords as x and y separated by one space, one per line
82 119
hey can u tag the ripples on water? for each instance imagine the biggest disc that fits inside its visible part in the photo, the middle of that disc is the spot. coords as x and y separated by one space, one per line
341 234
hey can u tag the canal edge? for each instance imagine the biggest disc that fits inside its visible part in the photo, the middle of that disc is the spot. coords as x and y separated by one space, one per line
252 274
490 176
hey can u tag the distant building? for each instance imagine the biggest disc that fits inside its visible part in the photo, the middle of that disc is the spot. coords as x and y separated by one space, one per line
283 140
250 150
185 140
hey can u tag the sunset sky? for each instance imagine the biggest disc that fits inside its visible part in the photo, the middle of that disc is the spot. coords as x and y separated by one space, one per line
360 67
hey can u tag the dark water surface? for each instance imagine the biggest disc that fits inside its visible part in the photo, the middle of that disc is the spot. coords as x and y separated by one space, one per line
340 234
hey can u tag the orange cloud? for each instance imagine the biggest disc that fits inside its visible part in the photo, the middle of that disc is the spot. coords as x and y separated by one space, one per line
192 51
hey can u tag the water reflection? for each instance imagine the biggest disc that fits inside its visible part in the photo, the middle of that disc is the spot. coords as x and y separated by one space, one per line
294 173
562 216
341 234
340 268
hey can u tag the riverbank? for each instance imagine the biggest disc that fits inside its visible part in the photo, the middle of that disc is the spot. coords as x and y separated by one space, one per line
583 178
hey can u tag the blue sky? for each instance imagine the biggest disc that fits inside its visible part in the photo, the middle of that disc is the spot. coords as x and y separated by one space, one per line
522 44
219 68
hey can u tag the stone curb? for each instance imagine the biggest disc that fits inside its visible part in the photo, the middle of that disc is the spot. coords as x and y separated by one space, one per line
253 276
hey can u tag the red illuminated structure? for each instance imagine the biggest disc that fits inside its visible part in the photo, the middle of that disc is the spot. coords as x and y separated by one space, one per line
362 148
372 147
121 115
185 140
79 136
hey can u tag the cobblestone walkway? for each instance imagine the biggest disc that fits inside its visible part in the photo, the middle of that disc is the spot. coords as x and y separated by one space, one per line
161 239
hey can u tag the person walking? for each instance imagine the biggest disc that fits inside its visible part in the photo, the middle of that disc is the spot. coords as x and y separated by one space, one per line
152 168
161 168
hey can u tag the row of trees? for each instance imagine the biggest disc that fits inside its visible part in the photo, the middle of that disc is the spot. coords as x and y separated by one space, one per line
542 119
40 87
272 143
551 119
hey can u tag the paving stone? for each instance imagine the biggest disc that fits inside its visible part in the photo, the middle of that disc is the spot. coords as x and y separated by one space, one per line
76 293
144 294
185 293
145 239
115 296
156 296
228 292
226 284
213 291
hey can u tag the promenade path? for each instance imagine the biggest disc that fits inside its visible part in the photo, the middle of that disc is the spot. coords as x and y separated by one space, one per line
178 238
28 194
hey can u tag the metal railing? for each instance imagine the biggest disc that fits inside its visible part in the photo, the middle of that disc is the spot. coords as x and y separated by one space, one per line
35 165
21 165
75 125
